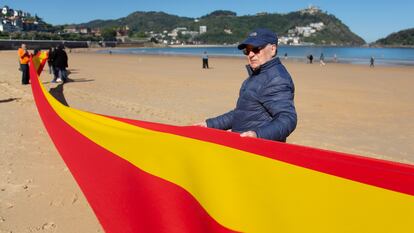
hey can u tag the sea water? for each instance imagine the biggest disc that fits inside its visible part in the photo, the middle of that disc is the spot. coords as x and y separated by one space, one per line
353 55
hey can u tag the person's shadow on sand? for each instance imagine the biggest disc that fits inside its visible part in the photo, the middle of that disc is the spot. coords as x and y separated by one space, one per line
79 80
9 100
72 71
57 91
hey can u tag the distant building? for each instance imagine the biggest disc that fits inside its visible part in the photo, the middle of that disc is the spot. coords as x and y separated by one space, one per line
318 26
289 40
26 14
191 33
296 41
18 13
17 22
84 30
70 30
73 29
203 29
6 27
305 31
96 32
6 11
310 10
174 32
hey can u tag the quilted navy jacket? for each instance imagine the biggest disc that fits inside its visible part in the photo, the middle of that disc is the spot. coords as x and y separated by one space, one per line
265 104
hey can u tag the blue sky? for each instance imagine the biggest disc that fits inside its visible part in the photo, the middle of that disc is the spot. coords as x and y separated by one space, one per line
369 19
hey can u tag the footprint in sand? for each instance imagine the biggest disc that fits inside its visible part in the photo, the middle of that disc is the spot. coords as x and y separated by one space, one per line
48 226
74 198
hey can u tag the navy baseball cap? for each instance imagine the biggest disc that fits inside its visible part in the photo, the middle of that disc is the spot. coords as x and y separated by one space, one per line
259 38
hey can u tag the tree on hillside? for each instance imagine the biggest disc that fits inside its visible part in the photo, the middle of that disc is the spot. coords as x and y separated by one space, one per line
220 13
108 34
404 38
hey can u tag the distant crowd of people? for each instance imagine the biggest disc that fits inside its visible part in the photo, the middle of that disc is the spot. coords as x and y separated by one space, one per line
334 59
57 60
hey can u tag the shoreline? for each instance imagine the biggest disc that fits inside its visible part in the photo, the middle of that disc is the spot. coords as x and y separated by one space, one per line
299 56
231 51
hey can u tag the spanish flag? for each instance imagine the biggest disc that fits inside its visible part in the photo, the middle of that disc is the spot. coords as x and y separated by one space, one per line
148 177
39 60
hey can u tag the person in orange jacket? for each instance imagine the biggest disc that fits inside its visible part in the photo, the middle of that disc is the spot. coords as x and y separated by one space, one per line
24 58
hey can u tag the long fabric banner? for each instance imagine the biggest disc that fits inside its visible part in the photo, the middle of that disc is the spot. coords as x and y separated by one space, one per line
148 177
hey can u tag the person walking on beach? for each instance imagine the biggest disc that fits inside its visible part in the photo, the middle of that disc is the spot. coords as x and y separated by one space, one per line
310 57
50 60
55 70
60 62
24 58
371 62
265 107
322 60
205 60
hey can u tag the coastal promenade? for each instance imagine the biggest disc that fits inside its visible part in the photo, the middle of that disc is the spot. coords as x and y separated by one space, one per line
45 44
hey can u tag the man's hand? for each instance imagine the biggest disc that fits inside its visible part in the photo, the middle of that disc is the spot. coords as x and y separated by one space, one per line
250 134
202 124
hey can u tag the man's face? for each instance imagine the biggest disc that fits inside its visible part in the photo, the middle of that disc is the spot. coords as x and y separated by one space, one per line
23 46
259 56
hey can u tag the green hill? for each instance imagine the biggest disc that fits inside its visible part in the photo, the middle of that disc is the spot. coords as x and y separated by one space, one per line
227 27
401 38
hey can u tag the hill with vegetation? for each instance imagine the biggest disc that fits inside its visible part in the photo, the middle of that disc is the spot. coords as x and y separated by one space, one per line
401 38
225 27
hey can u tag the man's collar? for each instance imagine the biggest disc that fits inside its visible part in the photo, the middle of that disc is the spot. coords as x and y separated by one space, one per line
275 60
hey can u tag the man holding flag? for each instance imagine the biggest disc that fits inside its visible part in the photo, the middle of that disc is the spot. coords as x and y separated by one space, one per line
265 108
24 58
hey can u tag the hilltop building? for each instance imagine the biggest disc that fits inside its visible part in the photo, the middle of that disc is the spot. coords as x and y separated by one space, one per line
310 10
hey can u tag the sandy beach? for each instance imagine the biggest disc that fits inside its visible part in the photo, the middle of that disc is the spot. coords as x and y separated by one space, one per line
347 108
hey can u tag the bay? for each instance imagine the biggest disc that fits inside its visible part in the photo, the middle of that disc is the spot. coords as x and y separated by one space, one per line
353 55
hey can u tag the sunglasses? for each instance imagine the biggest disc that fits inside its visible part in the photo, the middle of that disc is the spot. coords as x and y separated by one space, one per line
255 50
